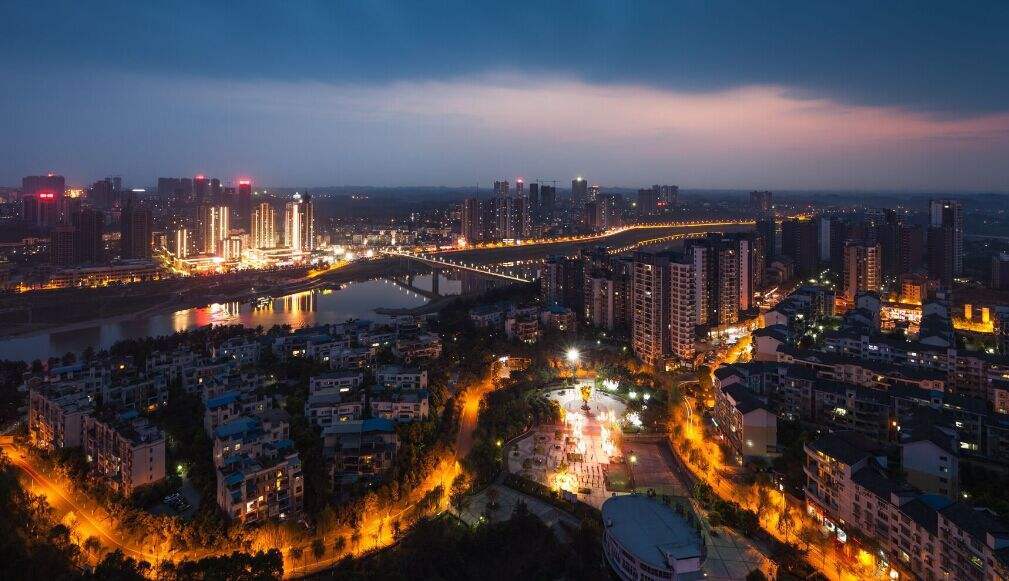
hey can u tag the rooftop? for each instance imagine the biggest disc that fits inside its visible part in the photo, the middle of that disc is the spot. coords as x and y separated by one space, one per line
652 531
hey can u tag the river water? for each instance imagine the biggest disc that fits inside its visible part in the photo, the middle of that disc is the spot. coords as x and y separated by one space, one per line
327 305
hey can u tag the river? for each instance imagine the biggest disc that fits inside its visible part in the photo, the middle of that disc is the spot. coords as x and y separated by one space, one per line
327 305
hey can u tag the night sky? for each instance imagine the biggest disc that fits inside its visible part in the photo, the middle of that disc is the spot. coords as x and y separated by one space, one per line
781 95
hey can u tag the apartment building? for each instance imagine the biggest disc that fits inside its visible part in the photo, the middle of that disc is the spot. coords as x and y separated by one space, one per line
124 450
250 434
256 487
56 415
924 536
747 422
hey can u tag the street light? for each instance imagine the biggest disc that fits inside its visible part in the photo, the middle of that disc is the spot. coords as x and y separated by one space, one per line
573 355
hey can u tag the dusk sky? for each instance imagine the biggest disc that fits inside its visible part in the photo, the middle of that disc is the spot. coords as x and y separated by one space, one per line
859 95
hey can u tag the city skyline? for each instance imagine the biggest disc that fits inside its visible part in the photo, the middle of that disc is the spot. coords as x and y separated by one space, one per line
909 100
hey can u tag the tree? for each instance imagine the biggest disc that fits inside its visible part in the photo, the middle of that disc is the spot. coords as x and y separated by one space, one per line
118 567
318 549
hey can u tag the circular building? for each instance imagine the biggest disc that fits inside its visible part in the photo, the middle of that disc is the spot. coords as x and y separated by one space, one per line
647 540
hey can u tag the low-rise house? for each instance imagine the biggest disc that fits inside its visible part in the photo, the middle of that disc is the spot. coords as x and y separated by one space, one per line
326 409
401 377
399 406
340 381
360 448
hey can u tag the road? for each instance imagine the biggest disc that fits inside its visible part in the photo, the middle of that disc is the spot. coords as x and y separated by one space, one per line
53 491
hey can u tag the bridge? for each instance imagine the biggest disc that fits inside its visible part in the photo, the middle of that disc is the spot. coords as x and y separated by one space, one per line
585 238
444 263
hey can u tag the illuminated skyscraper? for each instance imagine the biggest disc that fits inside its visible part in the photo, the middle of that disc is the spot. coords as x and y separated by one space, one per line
180 243
200 188
216 224
650 307
299 226
264 220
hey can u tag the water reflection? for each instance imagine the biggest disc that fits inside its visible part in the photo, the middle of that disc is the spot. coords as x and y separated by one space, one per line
328 305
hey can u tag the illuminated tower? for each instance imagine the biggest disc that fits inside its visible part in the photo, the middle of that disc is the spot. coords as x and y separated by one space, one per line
299 226
216 225
264 233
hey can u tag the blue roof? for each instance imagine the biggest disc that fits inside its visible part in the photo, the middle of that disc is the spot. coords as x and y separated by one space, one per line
233 428
222 400
234 478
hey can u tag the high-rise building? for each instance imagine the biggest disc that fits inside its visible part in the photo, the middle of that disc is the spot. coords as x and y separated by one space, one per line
244 203
180 242
682 310
215 222
53 186
471 221
201 189
63 245
948 214
799 242
604 212
502 188
264 220
719 290
888 236
651 310
135 231
607 291
594 191
824 235
562 282
579 191
1000 271
231 249
761 201
299 224
669 196
520 187
90 224
911 242
862 269
548 199
941 262
945 240
105 192
768 234
648 201
48 192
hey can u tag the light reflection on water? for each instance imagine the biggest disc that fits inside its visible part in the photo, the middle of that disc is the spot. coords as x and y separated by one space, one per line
330 305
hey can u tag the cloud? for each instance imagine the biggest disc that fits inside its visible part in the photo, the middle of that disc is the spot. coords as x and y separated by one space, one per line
477 128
